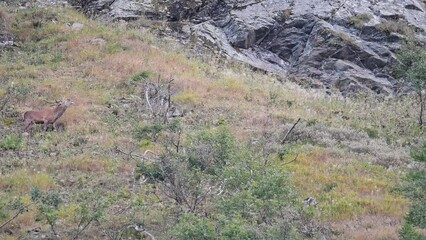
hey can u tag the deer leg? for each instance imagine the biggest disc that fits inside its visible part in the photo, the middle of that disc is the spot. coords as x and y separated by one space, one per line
27 125
45 126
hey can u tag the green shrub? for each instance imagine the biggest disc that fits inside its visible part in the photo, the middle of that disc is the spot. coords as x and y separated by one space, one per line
148 131
407 232
372 133
211 149
13 142
114 48
151 170
140 76
417 214
415 184
236 229
420 156
193 227
415 187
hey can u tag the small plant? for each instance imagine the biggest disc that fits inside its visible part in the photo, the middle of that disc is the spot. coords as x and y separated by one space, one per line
148 131
16 206
114 48
408 232
412 68
193 227
329 186
273 96
47 205
91 209
372 133
359 20
395 26
140 76
11 142
415 188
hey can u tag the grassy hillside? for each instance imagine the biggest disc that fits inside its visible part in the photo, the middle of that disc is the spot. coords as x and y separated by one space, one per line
218 170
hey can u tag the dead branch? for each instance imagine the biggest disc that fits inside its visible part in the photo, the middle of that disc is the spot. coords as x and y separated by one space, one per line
147 99
289 131
20 211
135 155
291 160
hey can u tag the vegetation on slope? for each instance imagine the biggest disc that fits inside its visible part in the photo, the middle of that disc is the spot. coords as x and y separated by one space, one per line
218 170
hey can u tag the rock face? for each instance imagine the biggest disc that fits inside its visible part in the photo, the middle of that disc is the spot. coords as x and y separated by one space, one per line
6 38
347 45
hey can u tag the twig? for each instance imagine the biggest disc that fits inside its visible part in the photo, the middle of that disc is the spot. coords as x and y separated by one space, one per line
13 218
147 99
133 155
149 234
105 231
291 160
289 131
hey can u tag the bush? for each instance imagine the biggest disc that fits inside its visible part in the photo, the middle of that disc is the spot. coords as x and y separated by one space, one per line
415 188
417 214
407 232
411 66
360 20
140 76
236 229
372 133
12 142
147 131
193 227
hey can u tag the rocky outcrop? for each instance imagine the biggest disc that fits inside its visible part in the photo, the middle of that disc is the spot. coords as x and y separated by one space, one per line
6 37
346 45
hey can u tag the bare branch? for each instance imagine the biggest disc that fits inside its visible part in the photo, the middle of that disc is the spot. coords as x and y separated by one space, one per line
291 160
289 131
147 99
20 211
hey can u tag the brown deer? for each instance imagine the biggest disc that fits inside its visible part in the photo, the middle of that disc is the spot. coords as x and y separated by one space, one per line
46 116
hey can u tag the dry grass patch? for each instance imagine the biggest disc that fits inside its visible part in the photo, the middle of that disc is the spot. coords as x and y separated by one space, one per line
22 181
89 164
346 187
368 227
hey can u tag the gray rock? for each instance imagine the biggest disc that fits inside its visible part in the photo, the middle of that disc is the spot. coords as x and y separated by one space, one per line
98 41
77 26
6 39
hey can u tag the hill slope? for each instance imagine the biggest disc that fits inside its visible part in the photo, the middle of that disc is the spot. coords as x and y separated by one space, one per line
210 164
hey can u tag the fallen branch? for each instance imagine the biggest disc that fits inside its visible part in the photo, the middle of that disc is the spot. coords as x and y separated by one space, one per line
291 160
289 131
135 155
13 218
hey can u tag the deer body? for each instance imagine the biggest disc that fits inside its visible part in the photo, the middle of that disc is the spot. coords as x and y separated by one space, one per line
46 116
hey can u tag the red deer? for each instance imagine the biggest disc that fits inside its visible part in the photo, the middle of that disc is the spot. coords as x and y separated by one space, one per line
46 116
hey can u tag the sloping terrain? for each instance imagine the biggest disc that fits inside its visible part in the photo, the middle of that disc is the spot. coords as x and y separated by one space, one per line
187 147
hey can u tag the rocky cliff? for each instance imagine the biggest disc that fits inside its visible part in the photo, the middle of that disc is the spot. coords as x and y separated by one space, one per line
346 45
